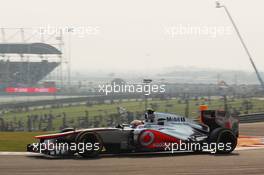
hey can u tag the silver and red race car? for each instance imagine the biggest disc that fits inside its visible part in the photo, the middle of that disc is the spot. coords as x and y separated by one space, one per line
217 132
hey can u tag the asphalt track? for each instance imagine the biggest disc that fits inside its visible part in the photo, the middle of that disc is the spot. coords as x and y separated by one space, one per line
242 161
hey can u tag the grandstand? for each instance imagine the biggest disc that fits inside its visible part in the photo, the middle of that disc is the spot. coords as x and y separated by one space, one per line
19 73
27 70
32 58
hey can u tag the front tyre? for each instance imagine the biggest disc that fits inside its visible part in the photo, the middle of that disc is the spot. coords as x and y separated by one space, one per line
91 144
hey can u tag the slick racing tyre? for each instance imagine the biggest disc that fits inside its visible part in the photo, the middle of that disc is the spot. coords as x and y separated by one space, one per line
91 144
224 139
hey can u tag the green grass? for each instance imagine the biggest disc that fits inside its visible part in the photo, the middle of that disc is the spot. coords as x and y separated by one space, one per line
16 141
104 110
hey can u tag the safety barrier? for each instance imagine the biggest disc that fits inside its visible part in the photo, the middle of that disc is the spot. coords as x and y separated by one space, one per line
252 118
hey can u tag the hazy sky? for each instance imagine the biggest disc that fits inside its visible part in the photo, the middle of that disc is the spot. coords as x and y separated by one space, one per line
136 34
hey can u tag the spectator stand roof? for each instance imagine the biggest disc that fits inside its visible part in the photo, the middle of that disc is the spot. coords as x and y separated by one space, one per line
28 48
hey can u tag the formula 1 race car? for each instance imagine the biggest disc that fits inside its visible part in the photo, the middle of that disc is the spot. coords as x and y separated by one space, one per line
217 132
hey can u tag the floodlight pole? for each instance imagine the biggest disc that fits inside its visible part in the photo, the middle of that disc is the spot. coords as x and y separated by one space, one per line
146 81
219 5
70 30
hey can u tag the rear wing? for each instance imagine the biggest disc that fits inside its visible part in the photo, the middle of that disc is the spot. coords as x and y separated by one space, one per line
208 118
219 118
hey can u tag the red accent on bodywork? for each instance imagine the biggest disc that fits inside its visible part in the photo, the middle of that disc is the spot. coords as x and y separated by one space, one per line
147 138
53 136
228 125
159 139
56 135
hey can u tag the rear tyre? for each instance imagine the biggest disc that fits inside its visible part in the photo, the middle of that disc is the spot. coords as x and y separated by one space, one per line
91 144
224 139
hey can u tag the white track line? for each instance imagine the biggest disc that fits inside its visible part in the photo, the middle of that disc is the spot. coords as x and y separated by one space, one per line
18 154
248 148
38 154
